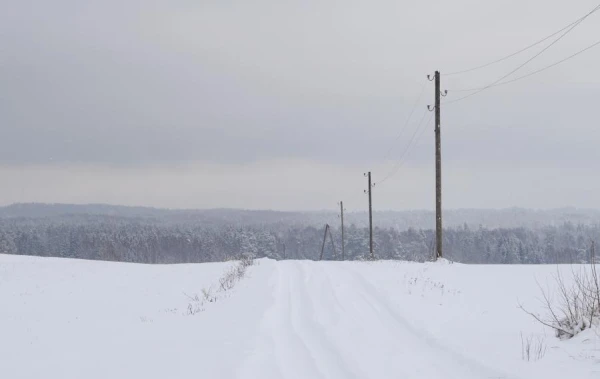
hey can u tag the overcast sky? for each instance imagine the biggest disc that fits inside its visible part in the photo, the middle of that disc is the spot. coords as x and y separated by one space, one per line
270 104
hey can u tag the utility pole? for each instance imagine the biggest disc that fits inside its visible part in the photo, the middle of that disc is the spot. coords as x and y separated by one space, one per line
327 230
342 217
438 167
324 240
372 256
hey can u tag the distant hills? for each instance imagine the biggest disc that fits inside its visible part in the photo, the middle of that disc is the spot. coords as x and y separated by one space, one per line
400 220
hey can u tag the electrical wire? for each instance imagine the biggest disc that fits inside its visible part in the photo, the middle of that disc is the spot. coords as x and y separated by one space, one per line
406 123
480 89
529 74
523 49
550 66
419 130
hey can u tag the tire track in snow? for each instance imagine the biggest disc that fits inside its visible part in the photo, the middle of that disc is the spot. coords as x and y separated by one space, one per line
326 353
382 350
278 351
352 338
328 321
442 353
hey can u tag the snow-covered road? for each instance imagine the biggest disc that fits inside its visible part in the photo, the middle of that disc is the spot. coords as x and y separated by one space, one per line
292 319
330 322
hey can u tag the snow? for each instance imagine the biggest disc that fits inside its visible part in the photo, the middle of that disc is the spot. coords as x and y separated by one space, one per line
62 319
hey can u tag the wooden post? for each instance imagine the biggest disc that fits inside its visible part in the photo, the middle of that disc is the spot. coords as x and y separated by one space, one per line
438 170
370 219
324 239
342 217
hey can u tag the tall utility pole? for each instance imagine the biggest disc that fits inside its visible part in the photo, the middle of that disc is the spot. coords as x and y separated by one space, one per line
370 217
438 169
342 217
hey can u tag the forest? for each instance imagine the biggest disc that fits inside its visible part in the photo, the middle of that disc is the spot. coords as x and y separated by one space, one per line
160 237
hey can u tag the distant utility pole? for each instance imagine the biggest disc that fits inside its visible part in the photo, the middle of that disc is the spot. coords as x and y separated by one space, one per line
327 230
438 166
370 216
342 218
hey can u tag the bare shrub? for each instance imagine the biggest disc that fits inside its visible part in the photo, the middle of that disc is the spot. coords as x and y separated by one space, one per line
194 297
578 305
195 305
236 273
246 260
208 296
194 308
532 348
226 282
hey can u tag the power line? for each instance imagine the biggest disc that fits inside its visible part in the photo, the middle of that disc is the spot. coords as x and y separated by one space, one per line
480 89
406 123
409 147
550 66
395 168
401 163
529 74
523 49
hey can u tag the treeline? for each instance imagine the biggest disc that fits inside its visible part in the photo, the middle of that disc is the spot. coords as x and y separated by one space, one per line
401 220
144 241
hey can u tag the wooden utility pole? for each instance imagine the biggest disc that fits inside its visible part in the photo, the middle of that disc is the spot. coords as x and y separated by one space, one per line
438 170
372 256
342 218
324 239
327 230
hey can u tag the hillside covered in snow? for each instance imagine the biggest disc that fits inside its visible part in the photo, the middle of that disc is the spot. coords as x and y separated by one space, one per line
71 319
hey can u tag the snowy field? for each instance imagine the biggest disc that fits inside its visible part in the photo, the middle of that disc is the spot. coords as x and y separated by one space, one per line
63 319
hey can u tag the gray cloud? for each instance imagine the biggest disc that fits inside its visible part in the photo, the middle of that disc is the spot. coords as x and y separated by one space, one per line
144 83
